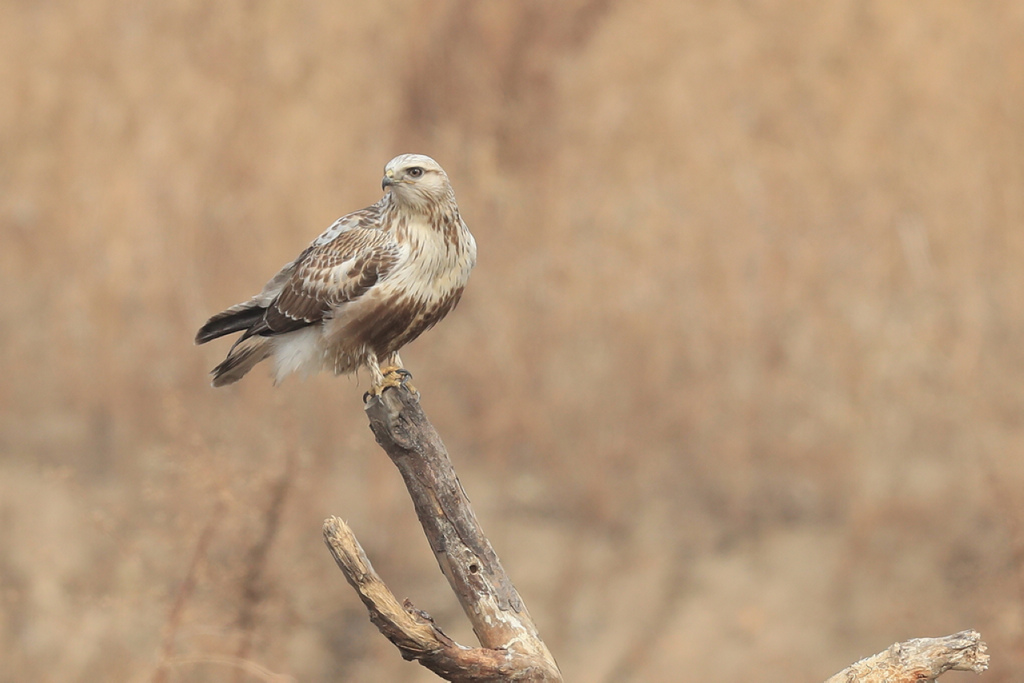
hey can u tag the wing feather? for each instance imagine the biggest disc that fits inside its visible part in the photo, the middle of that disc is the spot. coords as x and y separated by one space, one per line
329 275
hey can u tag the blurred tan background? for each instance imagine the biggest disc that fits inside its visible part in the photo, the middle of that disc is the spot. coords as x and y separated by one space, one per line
736 387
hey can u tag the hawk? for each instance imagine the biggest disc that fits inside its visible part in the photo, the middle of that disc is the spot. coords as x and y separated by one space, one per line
370 284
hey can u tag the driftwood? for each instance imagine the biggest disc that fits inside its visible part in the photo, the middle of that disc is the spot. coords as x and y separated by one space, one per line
511 646
919 660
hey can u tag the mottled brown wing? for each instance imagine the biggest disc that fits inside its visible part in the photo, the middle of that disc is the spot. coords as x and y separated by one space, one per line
329 275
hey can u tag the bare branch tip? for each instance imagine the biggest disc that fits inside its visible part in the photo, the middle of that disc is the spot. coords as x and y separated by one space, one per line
920 660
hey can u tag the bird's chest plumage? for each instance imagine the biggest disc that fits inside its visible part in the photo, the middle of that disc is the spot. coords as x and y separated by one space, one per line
436 259
423 287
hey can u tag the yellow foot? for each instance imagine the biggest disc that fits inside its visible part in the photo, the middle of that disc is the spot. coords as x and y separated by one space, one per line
393 377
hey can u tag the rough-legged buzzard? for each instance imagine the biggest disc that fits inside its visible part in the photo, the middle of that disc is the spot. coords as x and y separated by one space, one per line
371 283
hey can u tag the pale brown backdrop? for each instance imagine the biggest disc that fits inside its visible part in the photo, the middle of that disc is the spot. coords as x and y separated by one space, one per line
737 387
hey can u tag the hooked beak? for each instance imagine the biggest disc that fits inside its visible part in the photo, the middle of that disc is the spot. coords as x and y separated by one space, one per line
388 180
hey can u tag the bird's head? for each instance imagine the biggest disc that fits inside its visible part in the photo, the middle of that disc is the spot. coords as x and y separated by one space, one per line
416 180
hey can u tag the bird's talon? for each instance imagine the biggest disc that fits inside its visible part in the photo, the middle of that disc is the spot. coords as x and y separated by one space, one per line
404 377
392 377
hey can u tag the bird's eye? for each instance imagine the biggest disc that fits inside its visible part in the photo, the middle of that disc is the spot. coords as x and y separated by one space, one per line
415 172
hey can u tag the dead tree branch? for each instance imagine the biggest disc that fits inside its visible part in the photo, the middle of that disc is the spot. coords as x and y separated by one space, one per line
413 632
919 660
511 646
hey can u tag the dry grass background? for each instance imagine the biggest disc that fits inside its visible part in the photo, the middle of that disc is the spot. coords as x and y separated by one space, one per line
736 387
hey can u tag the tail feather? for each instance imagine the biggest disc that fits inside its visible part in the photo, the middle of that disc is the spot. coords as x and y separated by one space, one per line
235 319
242 358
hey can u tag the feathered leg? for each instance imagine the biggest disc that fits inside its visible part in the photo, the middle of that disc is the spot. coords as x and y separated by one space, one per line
376 376
391 363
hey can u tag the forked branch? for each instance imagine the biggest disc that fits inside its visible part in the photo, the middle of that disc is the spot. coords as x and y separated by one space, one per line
511 646
413 632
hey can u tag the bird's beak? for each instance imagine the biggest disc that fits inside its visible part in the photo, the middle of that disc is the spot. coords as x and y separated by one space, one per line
388 181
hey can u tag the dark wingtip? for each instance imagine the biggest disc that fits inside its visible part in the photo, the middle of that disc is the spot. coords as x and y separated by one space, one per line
204 335
235 319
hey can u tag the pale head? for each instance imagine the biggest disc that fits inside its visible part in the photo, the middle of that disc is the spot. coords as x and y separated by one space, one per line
416 180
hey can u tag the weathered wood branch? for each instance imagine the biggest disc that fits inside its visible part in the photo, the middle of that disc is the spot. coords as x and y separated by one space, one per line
511 645
413 632
919 660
